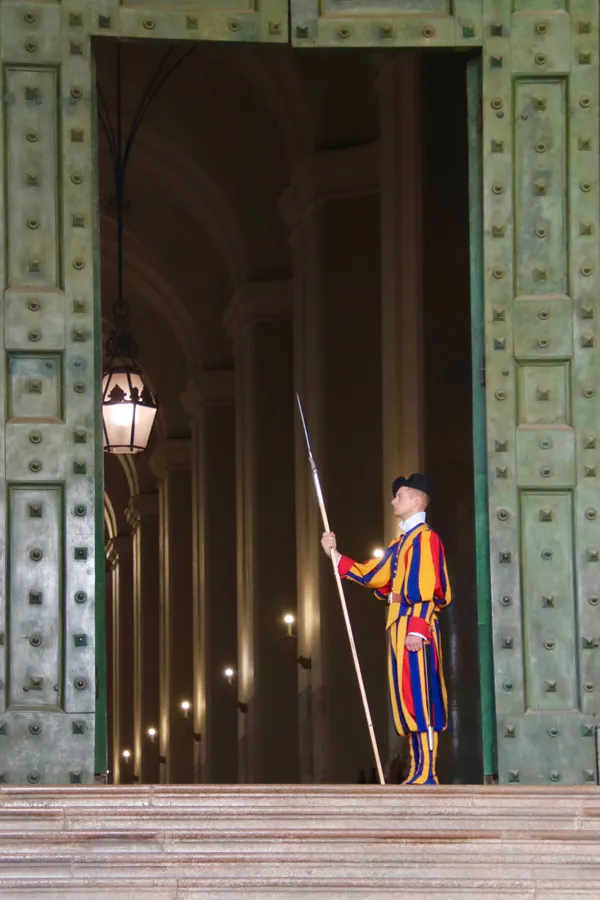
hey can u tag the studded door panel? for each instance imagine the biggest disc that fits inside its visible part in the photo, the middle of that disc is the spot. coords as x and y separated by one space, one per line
386 23
49 482
192 20
541 211
51 527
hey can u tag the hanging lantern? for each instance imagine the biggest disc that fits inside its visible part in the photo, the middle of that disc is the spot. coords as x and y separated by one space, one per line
128 408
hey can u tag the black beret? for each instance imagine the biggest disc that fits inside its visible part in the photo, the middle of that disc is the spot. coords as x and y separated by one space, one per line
398 482
417 481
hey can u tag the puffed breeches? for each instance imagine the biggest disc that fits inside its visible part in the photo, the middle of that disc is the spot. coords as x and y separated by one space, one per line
409 672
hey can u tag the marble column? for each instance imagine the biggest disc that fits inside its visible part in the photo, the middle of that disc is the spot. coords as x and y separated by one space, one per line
448 400
108 626
332 209
119 552
170 462
209 401
401 150
401 172
142 515
259 322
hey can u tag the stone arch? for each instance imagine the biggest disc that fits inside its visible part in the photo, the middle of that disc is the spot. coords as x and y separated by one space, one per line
110 519
276 81
198 195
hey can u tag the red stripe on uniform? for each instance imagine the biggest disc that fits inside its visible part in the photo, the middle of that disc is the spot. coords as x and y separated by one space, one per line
344 565
407 694
435 553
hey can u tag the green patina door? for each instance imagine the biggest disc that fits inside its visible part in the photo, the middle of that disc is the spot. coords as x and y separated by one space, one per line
51 459
539 273
535 214
52 706
541 285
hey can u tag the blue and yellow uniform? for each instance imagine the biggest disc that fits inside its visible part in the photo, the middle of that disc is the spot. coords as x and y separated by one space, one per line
412 576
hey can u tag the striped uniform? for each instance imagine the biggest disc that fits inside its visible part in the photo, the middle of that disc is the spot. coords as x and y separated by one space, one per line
413 571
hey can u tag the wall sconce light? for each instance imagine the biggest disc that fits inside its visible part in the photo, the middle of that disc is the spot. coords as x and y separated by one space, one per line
126 754
305 662
151 732
290 621
377 553
185 707
229 674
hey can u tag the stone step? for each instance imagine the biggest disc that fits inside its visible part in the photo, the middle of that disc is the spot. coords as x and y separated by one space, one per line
257 842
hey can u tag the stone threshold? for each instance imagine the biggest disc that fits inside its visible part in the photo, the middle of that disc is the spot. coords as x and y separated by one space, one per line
259 842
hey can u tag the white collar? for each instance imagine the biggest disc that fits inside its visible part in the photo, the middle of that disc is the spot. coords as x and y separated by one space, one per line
412 521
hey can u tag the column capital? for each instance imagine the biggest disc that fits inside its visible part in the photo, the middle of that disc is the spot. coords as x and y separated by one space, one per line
258 301
170 455
214 387
119 549
351 171
141 508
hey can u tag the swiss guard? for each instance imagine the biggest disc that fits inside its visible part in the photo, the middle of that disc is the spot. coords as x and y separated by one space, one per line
412 577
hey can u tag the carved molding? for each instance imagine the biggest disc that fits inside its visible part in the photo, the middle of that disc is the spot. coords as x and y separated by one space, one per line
170 455
141 508
210 388
330 174
119 549
258 301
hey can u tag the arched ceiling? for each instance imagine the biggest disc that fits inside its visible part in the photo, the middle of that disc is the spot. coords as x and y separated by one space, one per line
217 147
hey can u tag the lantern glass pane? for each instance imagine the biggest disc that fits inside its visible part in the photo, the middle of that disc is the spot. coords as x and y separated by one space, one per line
144 420
127 424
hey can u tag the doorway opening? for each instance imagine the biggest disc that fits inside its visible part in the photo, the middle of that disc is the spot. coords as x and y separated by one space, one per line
252 268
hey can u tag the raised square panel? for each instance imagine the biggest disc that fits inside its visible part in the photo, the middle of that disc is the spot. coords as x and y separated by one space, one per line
543 328
543 394
549 643
35 451
528 44
16 34
541 187
545 458
34 316
384 23
34 386
32 208
546 744
396 7
52 751
207 6
36 560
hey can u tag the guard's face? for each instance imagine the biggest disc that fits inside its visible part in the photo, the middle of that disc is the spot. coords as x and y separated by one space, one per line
404 503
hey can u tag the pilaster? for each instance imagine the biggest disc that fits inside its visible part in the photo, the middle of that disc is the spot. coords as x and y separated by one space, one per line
260 326
119 553
142 515
401 150
170 462
401 153
209 401
332 210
